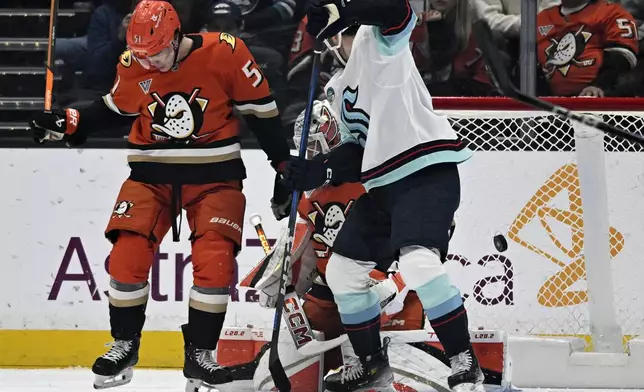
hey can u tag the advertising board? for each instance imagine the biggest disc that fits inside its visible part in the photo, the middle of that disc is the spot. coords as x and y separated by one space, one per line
53 279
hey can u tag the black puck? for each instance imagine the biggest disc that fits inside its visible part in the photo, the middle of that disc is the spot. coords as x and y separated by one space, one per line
500 243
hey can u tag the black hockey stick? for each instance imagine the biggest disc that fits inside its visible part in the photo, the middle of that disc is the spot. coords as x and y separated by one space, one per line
493 58
49 80
282 383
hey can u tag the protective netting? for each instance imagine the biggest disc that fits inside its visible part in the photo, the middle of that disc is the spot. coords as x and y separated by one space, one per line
530 131
554 265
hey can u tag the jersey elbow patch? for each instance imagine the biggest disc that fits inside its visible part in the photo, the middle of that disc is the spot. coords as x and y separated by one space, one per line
393 40
109 102
627 53
260 108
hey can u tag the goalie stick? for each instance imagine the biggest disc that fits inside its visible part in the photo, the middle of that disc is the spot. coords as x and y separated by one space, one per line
499 74
49 80
304 338
275 366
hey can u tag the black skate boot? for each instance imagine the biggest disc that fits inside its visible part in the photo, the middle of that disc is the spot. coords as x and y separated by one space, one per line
114 368
466 373
366 374
199 367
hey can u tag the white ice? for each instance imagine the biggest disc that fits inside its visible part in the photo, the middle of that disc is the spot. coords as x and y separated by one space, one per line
80 380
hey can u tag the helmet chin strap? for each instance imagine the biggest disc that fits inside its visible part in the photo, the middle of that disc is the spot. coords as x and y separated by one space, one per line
177 46
335 49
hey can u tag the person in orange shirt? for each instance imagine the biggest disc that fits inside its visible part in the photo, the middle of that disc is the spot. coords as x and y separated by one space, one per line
584 45
184 153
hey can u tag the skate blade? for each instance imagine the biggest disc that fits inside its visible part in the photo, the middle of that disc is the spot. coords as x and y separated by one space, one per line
469 387
104 382
388 388
196 385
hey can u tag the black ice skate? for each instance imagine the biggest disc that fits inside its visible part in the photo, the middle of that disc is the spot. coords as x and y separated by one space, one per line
360 375
466 373
114 368
199 367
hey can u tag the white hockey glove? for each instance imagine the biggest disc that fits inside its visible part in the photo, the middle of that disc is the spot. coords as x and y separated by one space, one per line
265 276
391 292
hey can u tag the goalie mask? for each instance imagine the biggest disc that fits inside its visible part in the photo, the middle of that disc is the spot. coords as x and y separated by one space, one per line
324 132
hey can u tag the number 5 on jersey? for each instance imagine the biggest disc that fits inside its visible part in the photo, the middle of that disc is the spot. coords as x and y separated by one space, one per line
252 71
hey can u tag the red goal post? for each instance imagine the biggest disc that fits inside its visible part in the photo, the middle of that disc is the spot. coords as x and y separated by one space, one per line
570 201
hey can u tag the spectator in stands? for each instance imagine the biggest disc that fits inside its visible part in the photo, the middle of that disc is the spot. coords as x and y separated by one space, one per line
106 42
102 46
194 14
271 23
583 47
632 83
504 16
226 16
446 53
71 53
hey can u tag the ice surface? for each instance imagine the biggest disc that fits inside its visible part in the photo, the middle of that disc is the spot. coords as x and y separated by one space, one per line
145 380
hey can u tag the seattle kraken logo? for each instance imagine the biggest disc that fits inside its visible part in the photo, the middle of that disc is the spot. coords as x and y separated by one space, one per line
355 119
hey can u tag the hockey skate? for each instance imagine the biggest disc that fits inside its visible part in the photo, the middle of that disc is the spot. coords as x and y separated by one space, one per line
114 368
203 374
361 375
466 373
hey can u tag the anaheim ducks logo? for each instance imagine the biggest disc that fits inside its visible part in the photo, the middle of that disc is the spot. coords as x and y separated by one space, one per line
564 53
122 208
178 116
328 221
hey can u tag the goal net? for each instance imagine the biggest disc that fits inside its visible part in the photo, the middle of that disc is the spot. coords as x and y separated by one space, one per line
570 202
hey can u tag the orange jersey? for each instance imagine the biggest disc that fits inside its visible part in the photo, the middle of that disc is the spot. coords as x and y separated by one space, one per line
325 210
186 131
571 47
302 44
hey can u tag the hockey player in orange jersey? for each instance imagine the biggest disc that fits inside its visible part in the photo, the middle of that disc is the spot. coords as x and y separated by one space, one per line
184 153
322 213
584 46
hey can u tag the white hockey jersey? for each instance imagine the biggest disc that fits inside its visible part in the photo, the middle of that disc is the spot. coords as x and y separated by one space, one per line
382 102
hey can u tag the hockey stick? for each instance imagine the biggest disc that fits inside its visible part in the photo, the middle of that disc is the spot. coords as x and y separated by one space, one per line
275 367
49 79
493 57
304 338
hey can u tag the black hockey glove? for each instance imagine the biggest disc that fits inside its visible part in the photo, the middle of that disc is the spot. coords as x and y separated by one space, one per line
325 18
55 126
282 198
305 175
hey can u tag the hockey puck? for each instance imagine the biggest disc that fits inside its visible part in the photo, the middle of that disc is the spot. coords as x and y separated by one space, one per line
500 243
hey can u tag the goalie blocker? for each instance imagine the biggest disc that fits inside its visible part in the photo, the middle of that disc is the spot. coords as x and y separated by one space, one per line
411 354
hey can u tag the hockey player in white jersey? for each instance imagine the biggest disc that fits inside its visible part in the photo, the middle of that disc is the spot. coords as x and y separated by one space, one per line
409 169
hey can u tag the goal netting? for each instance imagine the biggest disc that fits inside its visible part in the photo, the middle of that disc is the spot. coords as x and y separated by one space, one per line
570 202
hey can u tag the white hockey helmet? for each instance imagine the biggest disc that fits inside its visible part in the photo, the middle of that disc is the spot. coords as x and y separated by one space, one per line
324 132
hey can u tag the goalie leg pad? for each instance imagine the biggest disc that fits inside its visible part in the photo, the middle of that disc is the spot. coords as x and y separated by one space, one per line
411 317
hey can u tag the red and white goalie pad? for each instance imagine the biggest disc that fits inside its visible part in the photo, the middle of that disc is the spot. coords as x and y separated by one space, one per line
301 271
416 357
